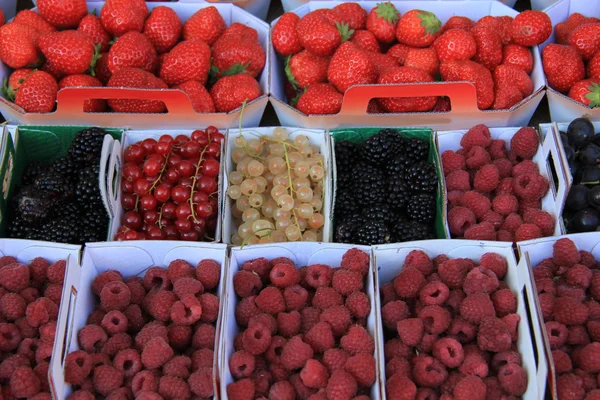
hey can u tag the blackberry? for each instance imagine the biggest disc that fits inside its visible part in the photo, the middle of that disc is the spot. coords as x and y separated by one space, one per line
422 177
87 145
421 208
62 230
345 231
408 231
66 167
32 171
18 228
33 205
95 225
373 232
66 210
369 184
398 193
416 149
87 189
398 165
345 204
381 147
346 154
378 212
55 183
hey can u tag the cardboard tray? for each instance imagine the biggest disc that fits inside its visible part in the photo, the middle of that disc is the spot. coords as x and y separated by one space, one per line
462 95
316 136
547 158
131 259
69 110
302 253
389 261
290 5
531 252
9 7
563 108
113 175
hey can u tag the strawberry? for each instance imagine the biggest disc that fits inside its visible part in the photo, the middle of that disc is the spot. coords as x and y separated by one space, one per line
501 25
92 26
140 79
519 56
230 92
563 30
455 44
132 50
38 93
320 32
2 17
423 59
383 62
586 39
206 24
563 66
14 82
516 76
92 105
365 40
399 51
238 50
121 16
442 104
284 36
35 20
593 67
320 99
163 28
418 28
530 28
406 104
18 45
199 96
62 13
458 22
56 72
69 52
304 69
188 60
101 70
382 22
587 92
470 71
506 96
489 48
352 14
350 66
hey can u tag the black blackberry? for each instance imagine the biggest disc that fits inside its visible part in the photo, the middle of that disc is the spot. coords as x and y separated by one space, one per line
373 232
33 205
32 171
421 208
398 193
416 149
345 231
66 167
87 189
346 154
369 184
422 177
398 165
380 147
55 183
378 212
62 230
345 203
66 210
95 225
17 228
408 231
87 145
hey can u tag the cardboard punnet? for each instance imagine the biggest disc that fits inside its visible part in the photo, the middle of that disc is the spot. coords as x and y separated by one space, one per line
547 158
389 260
130 259
563 108
317 137
9 7
303 254
290 5
462 95
180 114
531 252
113 176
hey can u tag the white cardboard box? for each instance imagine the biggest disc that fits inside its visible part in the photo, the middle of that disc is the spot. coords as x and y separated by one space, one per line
547 158
131 259
462 95
9 7
289 5
302 253
389 261
69 110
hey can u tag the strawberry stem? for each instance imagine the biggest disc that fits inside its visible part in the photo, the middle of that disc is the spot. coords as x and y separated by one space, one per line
388 12
95 58
289 74
344 31
430 22
593 95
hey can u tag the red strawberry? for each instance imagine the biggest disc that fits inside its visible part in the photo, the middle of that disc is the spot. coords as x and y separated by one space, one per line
92 105
406 104
352 14
238 50
501 25
399 51
506 95
2 18
455 44
586 39
563 30
470 71
519 56
593 67
320 98
62 13
284 37
458 22
489 47
188 60
504 74
587 92
38 93
121 16
530 28
350 66
230 92
18 45
382 22
418 28
206 24
304 69
101 70
17 77
163 28
35 20
69 52
563 66
320 32
383 62
140 79
442 104
92 26
199 96
132 50
365 40
423 59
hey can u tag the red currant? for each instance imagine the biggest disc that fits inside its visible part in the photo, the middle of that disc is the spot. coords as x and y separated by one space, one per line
150 216
166 138
134 153
200 137
132 220
171 232
211 130
162 193
184 225
131 235
217 137
128 201
191 149
204 209
206 184
197 197
131 171
153 165
191 236
149 145
187 182
172 175
141 186
181 140
183 211
155 233
127 186
163 148
186 168
148 202
210 167
213 150
174 159
169 210
180 194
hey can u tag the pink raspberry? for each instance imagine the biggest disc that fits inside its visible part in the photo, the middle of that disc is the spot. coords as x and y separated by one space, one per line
504 169
178 269
326 297
246 283
477 203
480 280
493 335
208 272
477 157
481 231
486 178
104 278
452 161
156 353
478 135
497 149
474 308
429 372
458 180
409 282
356 260
314 374
449 352
524 143
459 220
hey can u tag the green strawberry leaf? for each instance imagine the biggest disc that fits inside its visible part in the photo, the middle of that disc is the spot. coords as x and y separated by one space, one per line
7 91
289 74
388 12
594 95
294 101
430 22
345 31
93 12
237 68
97 56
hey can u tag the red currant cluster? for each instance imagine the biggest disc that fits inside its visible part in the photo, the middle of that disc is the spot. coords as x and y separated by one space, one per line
170 187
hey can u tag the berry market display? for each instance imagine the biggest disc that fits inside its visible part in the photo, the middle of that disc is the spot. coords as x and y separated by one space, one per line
495 189
329 50
128 46
170 187
386 188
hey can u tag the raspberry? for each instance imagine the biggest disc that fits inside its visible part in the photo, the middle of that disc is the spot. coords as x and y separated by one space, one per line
477 203
338 317
505 204
400 387
172 387
452 161
562 361
527 232
282 390
262 382
104 278
593 394
504 170
180 336
408 283
41 311
24 383
346 282
320 337
289 323
505 186
544 221
260 266
186 311
106 379
56 272
449 351
115 295
204 337
479 135
388 293
14 277
362 368
202 358
475 307
398 365
53 292
486 178
37 271
426 345
477 157
295 297
326 297
458 180
148 396
208 272
114 322
314 375
434 293
512 222
462 330
138 292
267 320
588 358
319 275
78 366
310 316
28 347
528 186
493 335
156 353
178 269
9 364
565 252
246 283
335 359
356 260
149 331
284 275
480 280
358 304
587 259
578 334
513 379
505 302
525 167
482 231
429 372
160 304
453 273
459 220
210 307
201 382
116 343
128 362
569 311
497 149
341 385
579 275
270 300
81 395
295 353
393 312
241 364
471 387
593 328
557 334
435 319
245 310
569 387
454 198
12 306
357 340
410 331
524 143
